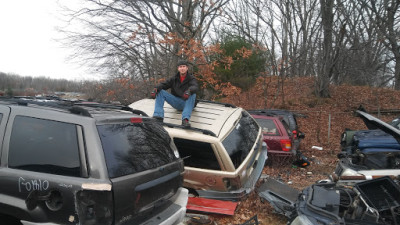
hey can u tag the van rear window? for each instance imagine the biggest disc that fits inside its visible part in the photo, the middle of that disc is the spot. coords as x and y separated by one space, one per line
134 147
197 154
268 127
240 141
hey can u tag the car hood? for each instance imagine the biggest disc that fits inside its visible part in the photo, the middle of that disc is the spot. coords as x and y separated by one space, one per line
374 123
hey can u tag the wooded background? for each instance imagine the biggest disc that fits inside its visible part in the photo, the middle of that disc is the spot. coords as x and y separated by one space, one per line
232 43
253 53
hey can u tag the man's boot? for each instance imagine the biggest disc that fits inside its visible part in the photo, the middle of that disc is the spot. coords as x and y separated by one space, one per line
185 123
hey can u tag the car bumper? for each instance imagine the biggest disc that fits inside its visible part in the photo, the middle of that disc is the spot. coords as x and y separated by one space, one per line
173 215
280 153
247 187
349 174
178 214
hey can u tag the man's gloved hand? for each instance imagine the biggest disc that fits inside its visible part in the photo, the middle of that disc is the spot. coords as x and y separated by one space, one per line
154 93
186 95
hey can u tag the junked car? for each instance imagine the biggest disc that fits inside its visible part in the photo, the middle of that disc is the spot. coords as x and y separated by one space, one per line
283 144
290 118
358 195
276 134
369 202
223 151
362 139
369 154
81 163
374 137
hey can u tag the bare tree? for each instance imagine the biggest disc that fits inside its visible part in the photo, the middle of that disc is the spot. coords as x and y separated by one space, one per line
342 41
125 37
385 15
288 29
359 58
325 71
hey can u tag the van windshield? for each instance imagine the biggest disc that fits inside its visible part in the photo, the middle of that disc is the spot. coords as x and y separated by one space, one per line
134 147
240 141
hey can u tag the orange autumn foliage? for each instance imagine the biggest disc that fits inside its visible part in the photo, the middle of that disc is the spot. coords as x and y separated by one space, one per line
199 54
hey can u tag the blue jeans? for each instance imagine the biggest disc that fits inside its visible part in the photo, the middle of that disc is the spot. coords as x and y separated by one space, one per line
176 102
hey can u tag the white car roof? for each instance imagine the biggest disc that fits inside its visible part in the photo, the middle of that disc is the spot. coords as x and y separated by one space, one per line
215 117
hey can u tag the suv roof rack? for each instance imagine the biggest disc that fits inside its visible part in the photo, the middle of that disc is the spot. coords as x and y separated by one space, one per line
261 112
110 106
73 107
219 103
204 131
274 112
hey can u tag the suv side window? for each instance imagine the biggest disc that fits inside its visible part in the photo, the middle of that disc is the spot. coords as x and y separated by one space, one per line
135 147
44 146
197 154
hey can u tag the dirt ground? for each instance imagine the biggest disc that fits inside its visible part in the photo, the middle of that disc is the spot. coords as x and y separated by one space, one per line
323 121
296 177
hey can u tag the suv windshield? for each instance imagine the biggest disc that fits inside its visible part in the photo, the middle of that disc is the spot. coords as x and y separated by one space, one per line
242 138
134 147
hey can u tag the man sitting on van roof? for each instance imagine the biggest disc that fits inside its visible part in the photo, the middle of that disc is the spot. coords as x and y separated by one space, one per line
183 94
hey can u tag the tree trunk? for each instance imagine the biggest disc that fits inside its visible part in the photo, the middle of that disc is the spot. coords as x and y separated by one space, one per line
386 22
397 74
326 67
393 40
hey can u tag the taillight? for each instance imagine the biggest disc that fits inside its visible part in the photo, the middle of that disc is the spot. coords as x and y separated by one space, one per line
286 145
95 207
136 120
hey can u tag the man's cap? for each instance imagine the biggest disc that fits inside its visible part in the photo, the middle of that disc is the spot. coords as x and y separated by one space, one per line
183 62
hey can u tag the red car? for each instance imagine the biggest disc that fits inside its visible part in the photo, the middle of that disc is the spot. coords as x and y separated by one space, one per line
276 134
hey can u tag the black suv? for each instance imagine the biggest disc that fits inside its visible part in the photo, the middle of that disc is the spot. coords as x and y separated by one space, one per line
86 163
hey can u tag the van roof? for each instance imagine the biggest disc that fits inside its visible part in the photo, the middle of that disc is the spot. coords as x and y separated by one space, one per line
212 116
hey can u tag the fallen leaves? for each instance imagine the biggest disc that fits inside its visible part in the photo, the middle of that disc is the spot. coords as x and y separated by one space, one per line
298 97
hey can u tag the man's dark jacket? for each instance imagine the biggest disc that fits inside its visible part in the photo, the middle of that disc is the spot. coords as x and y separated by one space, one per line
178 88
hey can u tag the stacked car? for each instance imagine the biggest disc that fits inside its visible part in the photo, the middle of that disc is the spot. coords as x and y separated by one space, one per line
368 153
223 151
282 135
369 202
287 123
86 163
276 134
356 195
91 163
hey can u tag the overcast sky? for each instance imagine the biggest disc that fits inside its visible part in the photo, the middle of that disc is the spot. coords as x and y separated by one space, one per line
27 45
